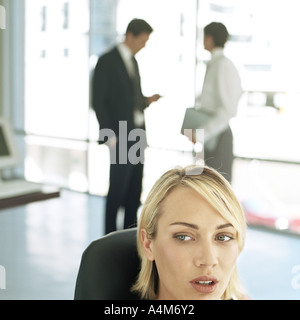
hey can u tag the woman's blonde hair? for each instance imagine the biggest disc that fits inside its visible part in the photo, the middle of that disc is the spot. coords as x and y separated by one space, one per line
212 187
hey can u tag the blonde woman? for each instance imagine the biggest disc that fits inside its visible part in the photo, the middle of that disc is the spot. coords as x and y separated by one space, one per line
190 234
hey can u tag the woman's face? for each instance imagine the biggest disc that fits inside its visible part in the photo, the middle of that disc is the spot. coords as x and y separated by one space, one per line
195 249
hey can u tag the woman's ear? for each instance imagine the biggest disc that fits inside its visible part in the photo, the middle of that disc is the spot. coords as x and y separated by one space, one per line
147 245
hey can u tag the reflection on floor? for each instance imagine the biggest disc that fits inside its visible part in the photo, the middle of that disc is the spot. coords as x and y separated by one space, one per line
41 246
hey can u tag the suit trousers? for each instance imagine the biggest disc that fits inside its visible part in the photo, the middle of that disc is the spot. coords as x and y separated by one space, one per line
221 157
124 191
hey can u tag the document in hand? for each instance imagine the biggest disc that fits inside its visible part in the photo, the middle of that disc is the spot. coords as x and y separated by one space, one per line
195 119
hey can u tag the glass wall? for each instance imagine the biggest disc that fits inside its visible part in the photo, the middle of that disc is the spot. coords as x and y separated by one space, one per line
264 47
63 42
167 67
57 55
57 91
64 39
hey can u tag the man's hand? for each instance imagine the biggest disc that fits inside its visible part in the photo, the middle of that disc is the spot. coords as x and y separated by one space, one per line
112 142
191 135
154 98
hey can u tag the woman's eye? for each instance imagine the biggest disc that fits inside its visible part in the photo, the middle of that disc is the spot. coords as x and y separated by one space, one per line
182 237
224 238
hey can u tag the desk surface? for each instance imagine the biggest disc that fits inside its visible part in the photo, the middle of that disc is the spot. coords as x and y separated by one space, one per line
29 198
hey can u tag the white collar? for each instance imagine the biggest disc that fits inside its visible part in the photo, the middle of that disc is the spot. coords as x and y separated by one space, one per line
217 52
125 51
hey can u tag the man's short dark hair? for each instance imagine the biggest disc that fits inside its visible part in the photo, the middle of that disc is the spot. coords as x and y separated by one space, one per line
219 33
138 26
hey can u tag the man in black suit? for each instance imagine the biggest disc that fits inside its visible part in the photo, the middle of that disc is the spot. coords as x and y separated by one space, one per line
119 103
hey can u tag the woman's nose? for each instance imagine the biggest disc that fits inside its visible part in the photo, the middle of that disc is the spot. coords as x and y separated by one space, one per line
206 256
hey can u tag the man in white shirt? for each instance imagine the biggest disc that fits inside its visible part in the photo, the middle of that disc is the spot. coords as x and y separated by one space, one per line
220 96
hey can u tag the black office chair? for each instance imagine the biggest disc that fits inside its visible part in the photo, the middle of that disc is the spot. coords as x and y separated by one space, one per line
109 268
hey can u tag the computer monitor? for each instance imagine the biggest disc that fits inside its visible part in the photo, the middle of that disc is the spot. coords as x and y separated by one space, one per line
9 156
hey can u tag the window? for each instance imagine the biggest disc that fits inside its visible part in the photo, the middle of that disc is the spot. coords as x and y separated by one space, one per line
57 92
2 17
65 38
66 16
43 18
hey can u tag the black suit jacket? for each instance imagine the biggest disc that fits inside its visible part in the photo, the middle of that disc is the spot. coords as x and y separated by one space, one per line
113 92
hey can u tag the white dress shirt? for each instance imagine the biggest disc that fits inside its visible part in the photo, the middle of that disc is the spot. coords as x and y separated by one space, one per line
126 56
220 95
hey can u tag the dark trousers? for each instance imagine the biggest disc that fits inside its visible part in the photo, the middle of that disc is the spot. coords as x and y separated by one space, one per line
124 191
221 158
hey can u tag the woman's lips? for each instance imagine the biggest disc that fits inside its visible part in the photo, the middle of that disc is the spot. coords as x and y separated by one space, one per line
205 284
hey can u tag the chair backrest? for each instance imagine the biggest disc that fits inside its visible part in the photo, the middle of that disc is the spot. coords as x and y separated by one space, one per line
109 267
